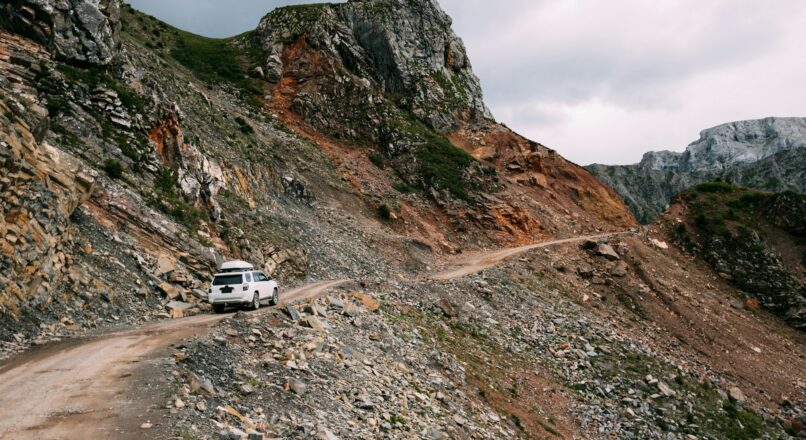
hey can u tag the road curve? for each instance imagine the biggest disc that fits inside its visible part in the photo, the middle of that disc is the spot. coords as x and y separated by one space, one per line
103 386
81 388
478 262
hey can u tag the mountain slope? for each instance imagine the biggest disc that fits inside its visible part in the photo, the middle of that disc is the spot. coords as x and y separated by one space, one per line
766 154
753 239
393 79
336 142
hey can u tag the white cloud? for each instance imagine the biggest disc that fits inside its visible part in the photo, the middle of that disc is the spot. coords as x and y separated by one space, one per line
606 81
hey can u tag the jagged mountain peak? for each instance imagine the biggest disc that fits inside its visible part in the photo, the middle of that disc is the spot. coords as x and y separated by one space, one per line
765 154
405 48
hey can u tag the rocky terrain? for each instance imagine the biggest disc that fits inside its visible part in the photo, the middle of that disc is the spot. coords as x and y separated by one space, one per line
753 239
345 149
765 154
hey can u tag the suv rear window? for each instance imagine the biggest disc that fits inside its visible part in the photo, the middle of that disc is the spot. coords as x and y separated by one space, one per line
224 280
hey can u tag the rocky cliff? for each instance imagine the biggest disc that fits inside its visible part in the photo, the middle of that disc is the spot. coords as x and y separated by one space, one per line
393 78
753 239
339 142
766 154
74 30
163 153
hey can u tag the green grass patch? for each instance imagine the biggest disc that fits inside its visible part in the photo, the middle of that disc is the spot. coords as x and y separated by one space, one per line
168 200
113 168
384 212
244 126
378 160
213 60
441 165
403 187
714 187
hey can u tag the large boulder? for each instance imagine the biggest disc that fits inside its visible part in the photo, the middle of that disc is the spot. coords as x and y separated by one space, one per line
84 31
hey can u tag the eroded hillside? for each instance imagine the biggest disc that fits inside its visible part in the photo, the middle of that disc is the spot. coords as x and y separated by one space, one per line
345 148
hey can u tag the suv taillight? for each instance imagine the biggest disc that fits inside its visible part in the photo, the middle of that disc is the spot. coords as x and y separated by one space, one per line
246 286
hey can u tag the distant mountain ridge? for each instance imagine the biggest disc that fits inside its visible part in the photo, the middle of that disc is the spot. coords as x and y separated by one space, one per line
766 154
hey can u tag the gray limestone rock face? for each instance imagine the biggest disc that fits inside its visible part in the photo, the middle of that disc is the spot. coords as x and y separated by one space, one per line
767 154
84 31
403 48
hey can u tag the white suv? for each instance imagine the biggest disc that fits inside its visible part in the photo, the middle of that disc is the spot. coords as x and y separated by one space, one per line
238 283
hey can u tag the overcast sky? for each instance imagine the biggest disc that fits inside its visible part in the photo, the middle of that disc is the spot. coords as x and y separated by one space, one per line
602 81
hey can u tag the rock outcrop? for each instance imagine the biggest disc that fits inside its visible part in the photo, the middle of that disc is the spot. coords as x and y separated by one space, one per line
392 78
752 239
83 31
402 48
40 188
767 154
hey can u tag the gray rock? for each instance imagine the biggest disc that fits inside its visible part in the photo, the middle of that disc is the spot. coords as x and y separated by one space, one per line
297 386
767 154
75 30
607 251
736 395
201 385
292 313
585 270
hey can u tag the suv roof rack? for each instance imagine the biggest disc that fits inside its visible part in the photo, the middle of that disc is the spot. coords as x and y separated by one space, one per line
236 266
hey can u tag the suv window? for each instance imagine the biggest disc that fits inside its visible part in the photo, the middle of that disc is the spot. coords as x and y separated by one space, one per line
265 277
259 277
249 277
225 280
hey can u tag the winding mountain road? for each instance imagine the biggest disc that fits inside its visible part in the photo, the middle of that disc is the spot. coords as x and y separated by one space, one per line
105 387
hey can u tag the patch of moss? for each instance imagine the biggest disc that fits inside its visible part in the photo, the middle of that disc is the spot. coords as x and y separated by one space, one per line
113 168
441 165
384 212
168 200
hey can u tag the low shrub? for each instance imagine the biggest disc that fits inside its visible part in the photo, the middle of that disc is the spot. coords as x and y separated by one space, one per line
113 168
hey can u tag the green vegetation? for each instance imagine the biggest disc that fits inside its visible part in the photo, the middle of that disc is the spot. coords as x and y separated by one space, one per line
721 208
377 159
215 61
441 165
67 136
403 187
244 126
714 187
212 60
168 200
455 91
303 16
711 414
94 77
384 212
113 168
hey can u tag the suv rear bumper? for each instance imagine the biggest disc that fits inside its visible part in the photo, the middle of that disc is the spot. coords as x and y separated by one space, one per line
216 299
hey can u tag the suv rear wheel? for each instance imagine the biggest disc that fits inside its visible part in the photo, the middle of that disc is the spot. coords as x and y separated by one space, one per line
255 301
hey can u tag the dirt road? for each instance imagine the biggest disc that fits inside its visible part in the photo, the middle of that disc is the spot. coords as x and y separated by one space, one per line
478 262
82 389
105 386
